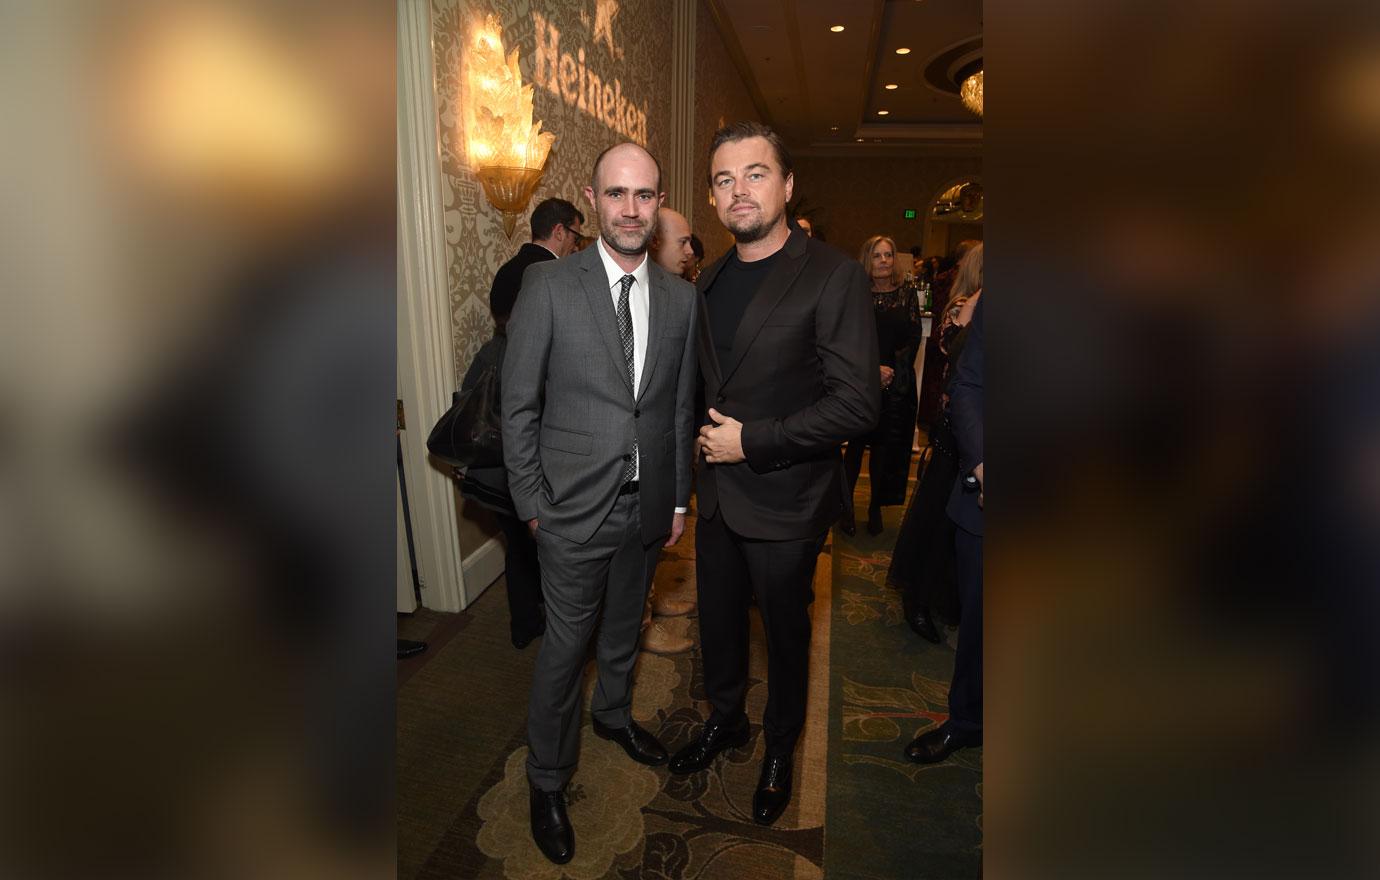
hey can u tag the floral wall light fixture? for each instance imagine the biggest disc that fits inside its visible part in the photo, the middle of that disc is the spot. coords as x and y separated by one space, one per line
507 150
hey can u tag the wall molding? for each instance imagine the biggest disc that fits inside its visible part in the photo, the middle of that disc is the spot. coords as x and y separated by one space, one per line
426 354
484 566
680 193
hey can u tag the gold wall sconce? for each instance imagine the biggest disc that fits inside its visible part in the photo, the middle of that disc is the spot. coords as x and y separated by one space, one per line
507 150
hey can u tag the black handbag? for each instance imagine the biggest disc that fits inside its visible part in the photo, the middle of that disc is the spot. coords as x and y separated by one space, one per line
469 434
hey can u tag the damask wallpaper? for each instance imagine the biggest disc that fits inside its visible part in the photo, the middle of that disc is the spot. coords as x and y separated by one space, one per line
850 200
618 49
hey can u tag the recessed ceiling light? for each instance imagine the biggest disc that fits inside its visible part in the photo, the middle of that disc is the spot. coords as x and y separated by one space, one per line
891 87
838 28
859 140
903 51
883 112
833 128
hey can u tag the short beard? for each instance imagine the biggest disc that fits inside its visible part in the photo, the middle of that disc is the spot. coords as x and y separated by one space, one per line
614 246
755 232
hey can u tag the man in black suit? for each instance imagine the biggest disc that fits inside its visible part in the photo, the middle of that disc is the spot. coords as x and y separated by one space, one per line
555 229
964 727
788 353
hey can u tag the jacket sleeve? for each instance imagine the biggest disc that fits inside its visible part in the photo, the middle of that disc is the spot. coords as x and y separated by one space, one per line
965 395
523 385
686 394
846 342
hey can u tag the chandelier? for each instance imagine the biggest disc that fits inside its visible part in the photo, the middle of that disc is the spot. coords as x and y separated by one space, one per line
970 92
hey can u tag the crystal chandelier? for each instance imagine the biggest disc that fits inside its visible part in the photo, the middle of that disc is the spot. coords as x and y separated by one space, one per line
970 92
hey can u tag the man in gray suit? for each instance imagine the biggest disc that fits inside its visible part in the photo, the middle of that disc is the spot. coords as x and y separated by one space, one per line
598 397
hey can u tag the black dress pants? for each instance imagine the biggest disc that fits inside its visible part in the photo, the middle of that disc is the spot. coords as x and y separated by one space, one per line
523 574
780 574
965 692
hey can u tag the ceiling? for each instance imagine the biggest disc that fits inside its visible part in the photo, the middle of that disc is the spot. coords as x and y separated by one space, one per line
823 90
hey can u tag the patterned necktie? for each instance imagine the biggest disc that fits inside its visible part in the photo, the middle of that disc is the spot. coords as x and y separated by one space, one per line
625 330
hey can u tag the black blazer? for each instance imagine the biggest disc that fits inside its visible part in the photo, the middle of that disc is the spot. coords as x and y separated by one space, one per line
802 378
965 412
508 280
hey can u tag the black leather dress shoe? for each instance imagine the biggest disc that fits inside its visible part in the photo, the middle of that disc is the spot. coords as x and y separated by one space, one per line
934 746
773 790
551 826
923 626
640 745
713 739
409 648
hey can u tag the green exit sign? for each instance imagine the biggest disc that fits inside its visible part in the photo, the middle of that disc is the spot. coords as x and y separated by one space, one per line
910 213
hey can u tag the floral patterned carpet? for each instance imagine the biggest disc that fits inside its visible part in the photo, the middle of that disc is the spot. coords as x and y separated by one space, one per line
462 791
889 817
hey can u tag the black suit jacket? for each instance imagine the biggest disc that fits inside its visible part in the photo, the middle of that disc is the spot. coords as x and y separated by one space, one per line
802 378
965 412
508 280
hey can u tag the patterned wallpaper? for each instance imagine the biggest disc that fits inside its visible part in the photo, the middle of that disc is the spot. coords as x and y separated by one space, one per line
626 43
851 200
720 96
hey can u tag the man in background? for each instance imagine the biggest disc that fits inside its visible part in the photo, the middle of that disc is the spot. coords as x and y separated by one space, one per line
555 231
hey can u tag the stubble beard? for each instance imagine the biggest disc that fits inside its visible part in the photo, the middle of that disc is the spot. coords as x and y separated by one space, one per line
610 237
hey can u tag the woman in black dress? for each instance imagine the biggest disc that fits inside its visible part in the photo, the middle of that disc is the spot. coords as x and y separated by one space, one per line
922 564
897 311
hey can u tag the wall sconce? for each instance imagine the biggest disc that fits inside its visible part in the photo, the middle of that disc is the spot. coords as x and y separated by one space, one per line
507 150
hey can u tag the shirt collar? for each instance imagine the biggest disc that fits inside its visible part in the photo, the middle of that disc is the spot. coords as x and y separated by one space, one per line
548 250
615 272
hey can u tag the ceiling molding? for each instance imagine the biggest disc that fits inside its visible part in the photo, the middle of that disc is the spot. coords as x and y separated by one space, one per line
930 131
739 57
852 150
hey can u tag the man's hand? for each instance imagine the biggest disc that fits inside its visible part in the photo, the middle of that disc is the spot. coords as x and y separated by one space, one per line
532 524
887 375
677 529
977 472
722 442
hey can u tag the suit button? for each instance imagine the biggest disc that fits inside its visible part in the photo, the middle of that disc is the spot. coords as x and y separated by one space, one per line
637 413
627 457
719 399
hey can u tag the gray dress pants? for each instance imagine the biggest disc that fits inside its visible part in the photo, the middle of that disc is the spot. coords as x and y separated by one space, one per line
602 583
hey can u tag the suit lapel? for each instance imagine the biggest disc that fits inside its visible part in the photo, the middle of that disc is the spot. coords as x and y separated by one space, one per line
774 288
656 311
596 286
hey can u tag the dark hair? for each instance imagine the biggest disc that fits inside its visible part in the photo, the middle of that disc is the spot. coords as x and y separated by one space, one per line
738 131
594 175
697 246
552 213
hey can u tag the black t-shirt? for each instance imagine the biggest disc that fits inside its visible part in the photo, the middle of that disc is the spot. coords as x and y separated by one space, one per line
728 299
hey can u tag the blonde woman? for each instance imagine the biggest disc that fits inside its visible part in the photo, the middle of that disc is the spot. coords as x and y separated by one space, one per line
895 307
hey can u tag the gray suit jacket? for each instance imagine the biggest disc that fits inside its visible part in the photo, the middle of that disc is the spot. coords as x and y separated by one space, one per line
569 409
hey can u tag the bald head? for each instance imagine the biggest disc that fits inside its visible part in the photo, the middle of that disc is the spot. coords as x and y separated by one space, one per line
624 152
671 245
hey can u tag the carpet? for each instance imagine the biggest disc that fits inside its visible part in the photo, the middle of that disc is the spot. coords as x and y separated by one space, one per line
859 810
